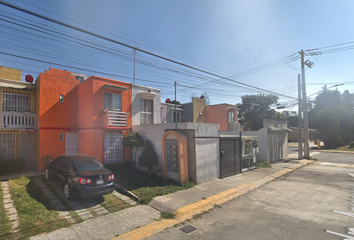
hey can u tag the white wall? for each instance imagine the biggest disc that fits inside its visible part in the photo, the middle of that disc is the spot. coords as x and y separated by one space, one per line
136 89
263 145
205 145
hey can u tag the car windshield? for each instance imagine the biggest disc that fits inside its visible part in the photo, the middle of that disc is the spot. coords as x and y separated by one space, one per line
87 164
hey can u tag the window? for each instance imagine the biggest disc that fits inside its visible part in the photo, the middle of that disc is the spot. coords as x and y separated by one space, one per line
232 117
146 109
61 137
174 116
7 146
16 102
113 102
81 79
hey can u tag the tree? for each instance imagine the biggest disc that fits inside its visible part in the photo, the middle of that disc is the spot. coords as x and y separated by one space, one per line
255 108
134 141
148 157
333 116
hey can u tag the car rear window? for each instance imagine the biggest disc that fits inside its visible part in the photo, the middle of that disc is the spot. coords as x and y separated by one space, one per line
87 164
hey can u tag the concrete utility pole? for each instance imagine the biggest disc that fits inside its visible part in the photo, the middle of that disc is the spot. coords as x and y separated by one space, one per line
300 153
305 107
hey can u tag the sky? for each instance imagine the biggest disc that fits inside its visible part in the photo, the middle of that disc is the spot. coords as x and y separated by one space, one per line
224 48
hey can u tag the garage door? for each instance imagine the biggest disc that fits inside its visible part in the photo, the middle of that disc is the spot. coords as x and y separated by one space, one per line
230 158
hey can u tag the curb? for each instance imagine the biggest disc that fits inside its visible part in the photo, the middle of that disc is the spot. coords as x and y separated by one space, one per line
334 151
187 212
334 164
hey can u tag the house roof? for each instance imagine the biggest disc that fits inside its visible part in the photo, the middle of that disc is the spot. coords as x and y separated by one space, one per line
16 84
115 87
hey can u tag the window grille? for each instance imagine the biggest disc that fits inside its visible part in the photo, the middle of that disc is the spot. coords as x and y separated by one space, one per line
113 147
7 145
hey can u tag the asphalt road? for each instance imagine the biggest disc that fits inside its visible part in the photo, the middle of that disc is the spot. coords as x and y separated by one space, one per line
345 158
296 206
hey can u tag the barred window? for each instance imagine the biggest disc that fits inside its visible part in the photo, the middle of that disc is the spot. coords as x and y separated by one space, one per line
15 102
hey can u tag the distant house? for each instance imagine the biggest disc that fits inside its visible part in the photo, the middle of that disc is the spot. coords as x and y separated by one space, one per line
223 114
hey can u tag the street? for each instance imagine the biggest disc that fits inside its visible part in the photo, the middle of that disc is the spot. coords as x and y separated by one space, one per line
299 205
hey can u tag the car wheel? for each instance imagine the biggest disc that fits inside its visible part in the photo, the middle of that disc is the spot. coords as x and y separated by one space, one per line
46 174
67 191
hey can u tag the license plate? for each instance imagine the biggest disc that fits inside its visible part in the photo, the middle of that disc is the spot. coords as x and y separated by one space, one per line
99 181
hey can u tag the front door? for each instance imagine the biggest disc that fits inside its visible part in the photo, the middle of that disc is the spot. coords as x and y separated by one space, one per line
71 143
113 150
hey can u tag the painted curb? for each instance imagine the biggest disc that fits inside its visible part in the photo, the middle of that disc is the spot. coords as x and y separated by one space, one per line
187 212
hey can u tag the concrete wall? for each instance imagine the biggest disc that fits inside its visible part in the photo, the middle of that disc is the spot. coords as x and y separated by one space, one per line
202 142
198 110
141 92
187 116
263 145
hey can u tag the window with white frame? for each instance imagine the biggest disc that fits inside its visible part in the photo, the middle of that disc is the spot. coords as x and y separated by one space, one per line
112 102
176 115
15 102
146 111
231 117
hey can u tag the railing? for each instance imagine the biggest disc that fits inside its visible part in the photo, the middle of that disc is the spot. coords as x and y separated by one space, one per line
117 119
18 120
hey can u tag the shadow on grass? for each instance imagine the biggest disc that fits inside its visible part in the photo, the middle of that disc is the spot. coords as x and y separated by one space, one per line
146 186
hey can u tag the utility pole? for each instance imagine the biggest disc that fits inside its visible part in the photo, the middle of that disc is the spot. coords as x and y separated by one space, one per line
300 153
134 66
175 104
305 107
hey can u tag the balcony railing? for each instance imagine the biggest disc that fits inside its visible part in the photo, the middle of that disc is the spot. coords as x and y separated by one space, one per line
117 119
18 120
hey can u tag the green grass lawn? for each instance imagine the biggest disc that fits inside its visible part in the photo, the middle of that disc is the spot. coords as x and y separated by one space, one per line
35 213
113 203
5 226
146 186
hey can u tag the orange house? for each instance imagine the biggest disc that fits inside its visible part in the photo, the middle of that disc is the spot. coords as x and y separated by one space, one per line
223 114
90 117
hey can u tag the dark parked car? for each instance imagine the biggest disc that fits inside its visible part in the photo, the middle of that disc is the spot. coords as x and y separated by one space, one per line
80 175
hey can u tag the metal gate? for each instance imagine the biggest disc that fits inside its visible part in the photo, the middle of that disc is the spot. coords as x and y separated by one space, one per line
230 157
71 143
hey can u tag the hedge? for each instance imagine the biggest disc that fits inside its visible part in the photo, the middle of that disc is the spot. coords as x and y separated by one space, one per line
13 165
117 166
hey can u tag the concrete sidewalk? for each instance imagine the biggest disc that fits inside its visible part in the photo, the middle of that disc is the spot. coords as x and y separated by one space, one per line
143 221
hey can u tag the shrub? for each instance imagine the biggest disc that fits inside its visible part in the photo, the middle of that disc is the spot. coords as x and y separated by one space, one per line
351 144
13 165
148 157
134 141
117 166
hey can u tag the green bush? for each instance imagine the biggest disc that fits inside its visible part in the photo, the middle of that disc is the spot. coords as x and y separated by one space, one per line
148 157
351 144
117 166
13 165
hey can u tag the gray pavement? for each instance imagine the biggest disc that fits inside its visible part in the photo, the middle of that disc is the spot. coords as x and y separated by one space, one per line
299 205
115 224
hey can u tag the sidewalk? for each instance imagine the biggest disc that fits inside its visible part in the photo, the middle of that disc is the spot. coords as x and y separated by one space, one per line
142 221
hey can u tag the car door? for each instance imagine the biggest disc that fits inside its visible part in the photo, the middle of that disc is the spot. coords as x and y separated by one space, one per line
63 169
53 168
